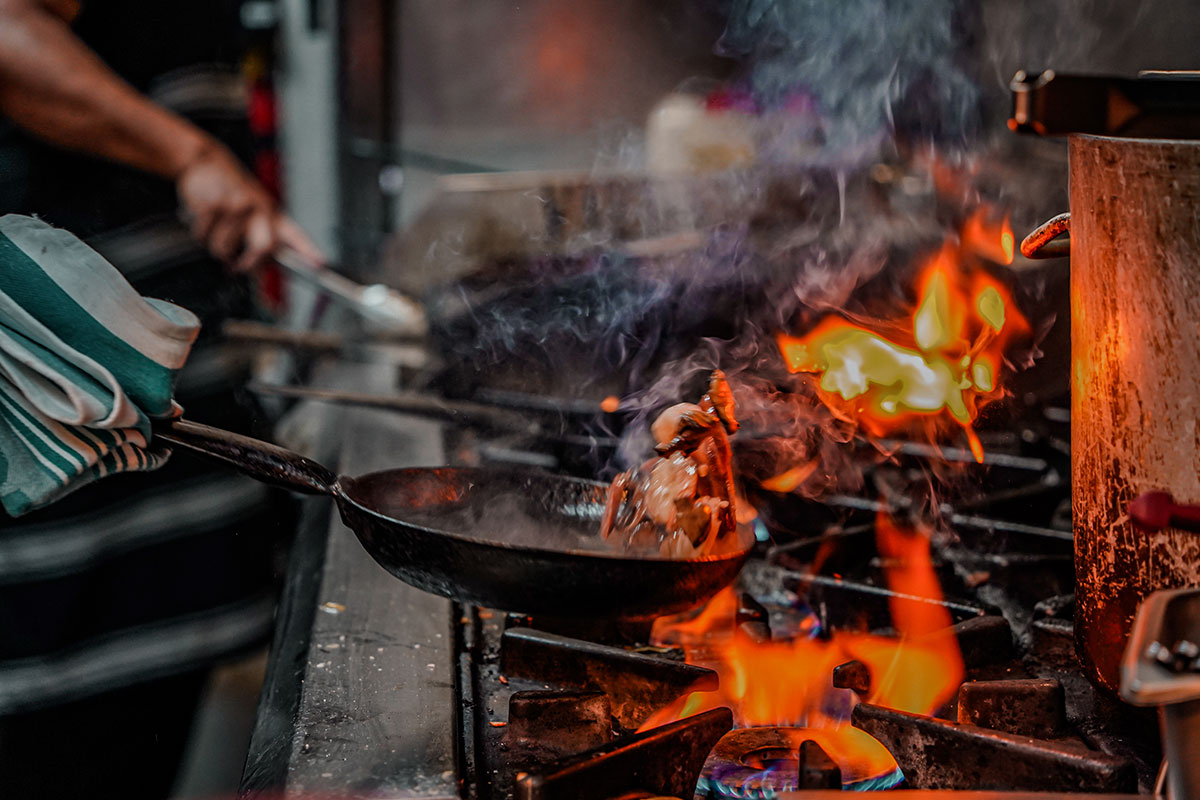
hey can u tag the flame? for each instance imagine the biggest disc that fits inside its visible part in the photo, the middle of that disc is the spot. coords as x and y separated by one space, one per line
789 682
788 480
945 365
920 673
993 241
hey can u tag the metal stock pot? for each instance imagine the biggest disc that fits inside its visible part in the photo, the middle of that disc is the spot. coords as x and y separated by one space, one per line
1135 384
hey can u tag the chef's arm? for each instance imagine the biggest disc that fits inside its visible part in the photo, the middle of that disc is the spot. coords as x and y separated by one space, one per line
57 89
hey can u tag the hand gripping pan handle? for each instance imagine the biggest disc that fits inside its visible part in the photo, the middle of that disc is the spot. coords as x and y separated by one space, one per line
261 460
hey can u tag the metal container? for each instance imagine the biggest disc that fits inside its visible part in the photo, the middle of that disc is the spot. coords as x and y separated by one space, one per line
1135 399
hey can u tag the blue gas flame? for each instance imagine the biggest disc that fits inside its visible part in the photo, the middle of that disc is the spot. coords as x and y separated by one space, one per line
767 783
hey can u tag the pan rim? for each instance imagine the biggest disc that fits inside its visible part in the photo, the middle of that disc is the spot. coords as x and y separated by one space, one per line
342 494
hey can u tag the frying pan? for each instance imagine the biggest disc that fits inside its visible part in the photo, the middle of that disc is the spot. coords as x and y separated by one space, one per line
515 540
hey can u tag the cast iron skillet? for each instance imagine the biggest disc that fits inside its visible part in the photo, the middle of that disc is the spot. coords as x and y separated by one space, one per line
507 539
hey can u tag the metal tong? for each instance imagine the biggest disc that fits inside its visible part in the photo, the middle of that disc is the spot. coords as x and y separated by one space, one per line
393 312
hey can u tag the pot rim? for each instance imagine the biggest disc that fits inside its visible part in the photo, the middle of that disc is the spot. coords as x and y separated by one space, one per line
1136 140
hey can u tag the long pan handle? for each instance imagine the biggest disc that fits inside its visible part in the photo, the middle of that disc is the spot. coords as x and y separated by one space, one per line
408 402
260 460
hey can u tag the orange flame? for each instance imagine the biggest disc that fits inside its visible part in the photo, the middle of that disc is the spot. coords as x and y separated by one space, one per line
923 671
991 240
946 365
788 480
790 682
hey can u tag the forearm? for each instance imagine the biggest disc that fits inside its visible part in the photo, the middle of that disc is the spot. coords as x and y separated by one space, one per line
53 86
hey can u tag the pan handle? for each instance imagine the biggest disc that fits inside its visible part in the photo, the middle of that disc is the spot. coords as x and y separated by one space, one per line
260 460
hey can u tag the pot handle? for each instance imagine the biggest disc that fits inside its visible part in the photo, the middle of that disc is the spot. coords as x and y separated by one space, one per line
260 460
1043 242
1153 511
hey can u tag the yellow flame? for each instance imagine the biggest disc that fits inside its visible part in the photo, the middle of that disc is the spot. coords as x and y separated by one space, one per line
960 328
990 306
981 373
851 360
931 324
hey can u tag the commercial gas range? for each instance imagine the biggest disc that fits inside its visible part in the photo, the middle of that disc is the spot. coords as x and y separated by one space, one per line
378 690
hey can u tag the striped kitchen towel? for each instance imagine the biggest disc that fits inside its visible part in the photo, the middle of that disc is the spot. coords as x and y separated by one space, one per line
85 362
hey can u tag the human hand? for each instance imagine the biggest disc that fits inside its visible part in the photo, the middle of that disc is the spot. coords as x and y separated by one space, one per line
233 215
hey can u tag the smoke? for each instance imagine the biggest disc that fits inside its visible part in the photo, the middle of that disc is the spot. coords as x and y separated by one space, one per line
755 257
875 124
783 425
872 68
937 70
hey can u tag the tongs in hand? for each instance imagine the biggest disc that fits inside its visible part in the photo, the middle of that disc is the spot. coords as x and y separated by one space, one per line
378 304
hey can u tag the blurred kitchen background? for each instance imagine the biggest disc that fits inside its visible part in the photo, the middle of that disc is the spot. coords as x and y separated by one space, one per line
379 101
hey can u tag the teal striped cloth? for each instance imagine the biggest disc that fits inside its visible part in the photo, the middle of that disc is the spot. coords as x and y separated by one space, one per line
85 363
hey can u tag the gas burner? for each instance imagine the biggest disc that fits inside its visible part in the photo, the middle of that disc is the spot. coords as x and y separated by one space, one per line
760 762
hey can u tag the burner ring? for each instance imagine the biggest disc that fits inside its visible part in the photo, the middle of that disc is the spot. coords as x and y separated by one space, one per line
758 762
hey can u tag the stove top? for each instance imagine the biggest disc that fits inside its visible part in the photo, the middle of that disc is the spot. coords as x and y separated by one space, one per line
538 691
377 689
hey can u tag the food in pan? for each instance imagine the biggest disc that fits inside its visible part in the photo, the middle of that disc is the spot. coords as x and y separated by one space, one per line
682 502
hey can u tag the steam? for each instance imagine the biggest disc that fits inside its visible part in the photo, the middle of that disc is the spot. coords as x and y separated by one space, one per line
1094 36
782 422
870 67
647 286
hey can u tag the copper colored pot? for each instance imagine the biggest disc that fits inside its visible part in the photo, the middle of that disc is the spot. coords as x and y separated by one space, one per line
1135 383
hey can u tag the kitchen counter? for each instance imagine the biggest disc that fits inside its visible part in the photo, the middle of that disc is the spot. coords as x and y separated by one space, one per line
359 697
